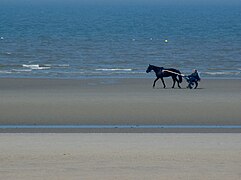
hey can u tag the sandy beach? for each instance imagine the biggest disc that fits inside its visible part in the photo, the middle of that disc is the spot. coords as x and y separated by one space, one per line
55 154
120 156
118 101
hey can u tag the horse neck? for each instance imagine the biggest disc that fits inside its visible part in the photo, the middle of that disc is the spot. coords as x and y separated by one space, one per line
156 69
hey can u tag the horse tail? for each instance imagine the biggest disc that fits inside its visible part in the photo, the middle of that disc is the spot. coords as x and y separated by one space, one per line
180 77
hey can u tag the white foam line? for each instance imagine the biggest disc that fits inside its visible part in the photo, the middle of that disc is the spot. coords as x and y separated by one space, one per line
120 126
118 69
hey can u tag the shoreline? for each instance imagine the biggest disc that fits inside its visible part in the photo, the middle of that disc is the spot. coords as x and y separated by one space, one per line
118 129
118 102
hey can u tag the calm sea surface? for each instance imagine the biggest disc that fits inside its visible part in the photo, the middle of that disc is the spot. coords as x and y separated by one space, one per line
54 41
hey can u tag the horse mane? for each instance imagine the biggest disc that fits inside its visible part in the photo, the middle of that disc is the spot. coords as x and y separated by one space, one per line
157 67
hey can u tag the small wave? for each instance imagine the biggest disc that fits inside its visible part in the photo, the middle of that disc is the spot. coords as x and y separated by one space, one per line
62 65
10 66
117 69
35 66
5 53
221 73
219 68
5 72
56 65
223 69
22 70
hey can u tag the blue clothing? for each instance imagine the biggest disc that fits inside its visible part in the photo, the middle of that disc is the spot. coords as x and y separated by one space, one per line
193 78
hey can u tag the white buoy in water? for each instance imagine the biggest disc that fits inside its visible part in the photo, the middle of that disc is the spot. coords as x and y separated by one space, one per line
2 38
166 41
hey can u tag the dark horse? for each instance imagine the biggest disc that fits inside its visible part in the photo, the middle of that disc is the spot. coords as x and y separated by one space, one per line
162 72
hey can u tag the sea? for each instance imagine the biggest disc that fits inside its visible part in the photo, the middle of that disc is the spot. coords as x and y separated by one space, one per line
74 41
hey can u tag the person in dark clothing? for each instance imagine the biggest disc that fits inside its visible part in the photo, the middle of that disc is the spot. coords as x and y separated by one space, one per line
193 79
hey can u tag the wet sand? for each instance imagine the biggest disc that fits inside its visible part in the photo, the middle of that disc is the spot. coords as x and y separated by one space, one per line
118 101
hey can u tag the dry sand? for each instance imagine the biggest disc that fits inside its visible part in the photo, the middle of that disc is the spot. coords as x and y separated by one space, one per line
120 156
118 101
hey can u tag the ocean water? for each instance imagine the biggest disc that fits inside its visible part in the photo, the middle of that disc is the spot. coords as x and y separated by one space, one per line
90 41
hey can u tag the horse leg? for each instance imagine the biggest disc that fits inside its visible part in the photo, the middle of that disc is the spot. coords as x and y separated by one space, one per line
174 81
164 85
178 83
154 83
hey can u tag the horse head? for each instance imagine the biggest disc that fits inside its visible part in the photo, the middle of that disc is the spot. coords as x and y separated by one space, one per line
149 69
